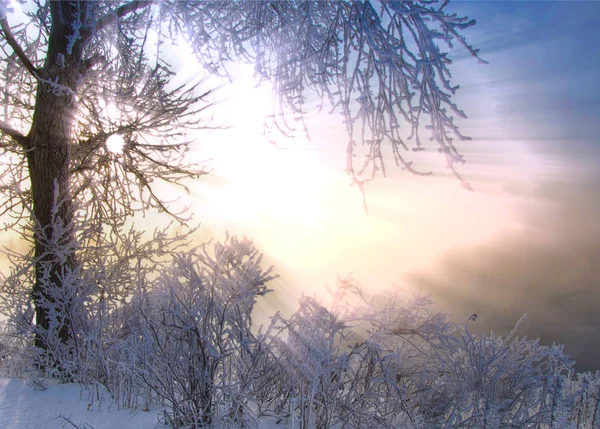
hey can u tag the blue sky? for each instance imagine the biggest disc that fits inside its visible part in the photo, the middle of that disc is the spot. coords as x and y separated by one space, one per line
550 48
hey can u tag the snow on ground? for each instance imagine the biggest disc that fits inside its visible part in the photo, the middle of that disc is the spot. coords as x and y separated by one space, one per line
23 407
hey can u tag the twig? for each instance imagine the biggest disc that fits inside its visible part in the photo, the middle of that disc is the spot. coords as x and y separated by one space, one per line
119 13
17 48
16 135
69 421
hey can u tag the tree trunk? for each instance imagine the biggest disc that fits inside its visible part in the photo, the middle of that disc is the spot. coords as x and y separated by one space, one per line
48 159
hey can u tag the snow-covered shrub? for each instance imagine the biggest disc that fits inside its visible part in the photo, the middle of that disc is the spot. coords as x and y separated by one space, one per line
313 356
88 303
154 322
59 294
122 267
197 320
584 399
489 381
341 366
399 364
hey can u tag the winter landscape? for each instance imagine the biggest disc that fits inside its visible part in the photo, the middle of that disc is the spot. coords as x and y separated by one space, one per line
299 214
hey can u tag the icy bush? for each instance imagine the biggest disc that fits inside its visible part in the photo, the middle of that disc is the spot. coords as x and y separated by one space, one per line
197 321
154 324
401 365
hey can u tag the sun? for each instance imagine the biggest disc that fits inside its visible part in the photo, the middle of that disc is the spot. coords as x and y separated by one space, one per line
115 144
284 178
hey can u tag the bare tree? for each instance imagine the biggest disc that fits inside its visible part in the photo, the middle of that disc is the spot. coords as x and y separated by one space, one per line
378 64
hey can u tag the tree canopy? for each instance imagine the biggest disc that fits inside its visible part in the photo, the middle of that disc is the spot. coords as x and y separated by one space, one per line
75 74
380 65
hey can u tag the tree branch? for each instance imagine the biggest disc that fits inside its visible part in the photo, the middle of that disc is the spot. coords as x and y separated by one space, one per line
10 131
120 12
93 60
17 48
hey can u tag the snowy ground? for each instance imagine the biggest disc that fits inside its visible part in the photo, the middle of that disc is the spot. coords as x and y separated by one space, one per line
23 407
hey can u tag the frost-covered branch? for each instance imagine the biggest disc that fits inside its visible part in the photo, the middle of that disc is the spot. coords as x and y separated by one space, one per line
14 134
113 15
380 65
10 39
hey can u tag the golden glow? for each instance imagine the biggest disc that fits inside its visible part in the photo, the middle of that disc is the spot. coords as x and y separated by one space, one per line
301 212
286 180
294 200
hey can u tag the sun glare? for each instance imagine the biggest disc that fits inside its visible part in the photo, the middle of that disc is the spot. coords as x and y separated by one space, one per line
285 180
115 143
247 99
